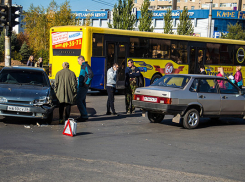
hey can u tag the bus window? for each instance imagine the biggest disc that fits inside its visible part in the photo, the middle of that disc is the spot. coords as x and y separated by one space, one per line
139 47
98 45
179 51
226 54
160 48
212 53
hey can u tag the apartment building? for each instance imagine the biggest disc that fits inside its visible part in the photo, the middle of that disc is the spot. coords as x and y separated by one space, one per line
193 4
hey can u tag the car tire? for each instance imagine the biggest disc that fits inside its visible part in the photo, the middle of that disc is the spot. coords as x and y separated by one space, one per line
155 78
155 117
191 119
49 118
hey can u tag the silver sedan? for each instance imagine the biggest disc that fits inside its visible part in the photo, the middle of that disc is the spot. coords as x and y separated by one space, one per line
189 97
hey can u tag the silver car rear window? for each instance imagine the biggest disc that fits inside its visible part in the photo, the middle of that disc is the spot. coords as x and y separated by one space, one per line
175 81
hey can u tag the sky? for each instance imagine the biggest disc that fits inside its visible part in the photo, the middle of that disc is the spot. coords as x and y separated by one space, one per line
76 5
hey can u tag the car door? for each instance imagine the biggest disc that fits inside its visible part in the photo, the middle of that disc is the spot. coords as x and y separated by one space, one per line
232 103
208 96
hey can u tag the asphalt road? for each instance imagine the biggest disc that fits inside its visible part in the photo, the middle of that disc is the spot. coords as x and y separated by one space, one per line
123 148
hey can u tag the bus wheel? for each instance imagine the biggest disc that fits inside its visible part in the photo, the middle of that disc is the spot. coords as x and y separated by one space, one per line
155 78
155 117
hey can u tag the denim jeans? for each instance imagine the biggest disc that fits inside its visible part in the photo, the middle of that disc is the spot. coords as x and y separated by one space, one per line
81 101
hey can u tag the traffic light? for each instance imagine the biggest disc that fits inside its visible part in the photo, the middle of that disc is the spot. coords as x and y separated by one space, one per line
3 15
14 15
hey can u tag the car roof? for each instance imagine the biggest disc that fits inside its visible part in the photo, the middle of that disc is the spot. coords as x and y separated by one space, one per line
27 68
199 76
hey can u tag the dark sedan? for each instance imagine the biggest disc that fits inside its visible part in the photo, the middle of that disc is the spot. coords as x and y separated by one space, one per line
26 92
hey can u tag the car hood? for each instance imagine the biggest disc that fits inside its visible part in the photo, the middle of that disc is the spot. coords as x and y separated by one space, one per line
156 91
23 92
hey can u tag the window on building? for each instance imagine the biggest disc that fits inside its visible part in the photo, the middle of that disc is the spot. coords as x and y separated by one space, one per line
186 1
152 0
135 1
243 6
178 8
185 7
151 7
178 1
215 5
192 7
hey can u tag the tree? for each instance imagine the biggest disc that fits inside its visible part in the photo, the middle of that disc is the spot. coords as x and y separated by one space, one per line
122 15
39 20
235 32
25 52
168 27
87 21
146 17
185 26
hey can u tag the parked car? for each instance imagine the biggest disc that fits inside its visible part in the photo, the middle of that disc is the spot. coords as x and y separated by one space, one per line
189 97
26 92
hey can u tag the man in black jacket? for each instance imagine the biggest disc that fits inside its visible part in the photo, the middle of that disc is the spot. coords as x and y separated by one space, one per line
132 74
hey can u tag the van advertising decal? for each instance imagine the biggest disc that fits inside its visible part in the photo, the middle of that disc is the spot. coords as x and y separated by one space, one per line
67 40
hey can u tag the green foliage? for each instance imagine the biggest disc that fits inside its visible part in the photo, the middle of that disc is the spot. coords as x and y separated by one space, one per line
146 17
234 32
25 52
185 26
2 46
122 15
168 28
39 20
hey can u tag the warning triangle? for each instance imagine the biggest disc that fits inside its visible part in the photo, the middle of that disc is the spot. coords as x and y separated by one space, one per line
67 130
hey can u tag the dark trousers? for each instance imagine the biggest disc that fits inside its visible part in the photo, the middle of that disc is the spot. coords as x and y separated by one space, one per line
67 110
110 100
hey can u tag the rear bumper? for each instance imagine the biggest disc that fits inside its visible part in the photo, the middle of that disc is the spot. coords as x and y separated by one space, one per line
160 108
37 112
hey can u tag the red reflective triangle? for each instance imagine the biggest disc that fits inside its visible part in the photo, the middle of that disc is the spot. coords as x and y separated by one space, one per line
67 130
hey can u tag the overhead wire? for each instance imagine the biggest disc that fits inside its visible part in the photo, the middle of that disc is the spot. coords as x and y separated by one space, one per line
104 2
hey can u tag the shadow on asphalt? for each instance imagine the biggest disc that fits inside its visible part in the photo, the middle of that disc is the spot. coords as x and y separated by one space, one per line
83 133
207 122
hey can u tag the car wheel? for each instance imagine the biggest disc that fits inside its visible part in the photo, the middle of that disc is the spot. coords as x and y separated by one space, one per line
155 117
49 118
155 78
191 119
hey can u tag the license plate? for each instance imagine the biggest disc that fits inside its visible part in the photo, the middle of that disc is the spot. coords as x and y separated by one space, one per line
150 99
20 109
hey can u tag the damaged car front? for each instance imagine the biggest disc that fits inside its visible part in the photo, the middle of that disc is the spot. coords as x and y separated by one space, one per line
26 92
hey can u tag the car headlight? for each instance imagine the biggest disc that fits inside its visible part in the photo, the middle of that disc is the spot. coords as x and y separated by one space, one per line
3 100
41 101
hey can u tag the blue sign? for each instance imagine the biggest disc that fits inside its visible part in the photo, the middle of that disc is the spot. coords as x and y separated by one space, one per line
92 14
228 14
176 13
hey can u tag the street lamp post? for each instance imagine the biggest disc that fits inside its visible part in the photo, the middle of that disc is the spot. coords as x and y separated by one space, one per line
210 18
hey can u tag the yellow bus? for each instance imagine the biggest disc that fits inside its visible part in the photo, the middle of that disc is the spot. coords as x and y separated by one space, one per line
155 54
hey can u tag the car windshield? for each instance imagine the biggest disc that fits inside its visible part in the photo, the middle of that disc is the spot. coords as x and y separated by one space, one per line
175 81
27 77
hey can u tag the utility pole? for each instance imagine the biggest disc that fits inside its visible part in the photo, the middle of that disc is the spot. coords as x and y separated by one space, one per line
8 32
210 18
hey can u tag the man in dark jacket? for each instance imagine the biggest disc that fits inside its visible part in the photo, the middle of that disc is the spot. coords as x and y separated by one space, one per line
202 70
65 89
132 74
84 81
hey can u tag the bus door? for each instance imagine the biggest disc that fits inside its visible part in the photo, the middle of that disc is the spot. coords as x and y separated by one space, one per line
117 53
196 57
